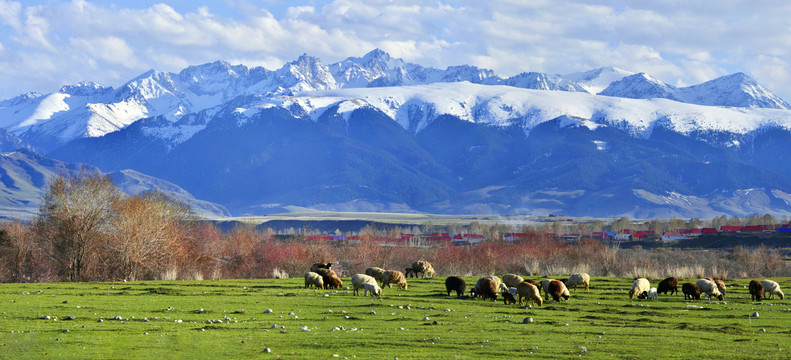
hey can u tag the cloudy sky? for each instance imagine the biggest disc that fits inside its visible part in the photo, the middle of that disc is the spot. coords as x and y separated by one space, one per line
48 43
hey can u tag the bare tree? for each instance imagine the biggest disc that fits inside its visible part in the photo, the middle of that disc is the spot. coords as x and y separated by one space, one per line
20 256
75 213
145 233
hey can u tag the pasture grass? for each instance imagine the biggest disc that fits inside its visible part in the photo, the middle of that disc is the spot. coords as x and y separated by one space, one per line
602 323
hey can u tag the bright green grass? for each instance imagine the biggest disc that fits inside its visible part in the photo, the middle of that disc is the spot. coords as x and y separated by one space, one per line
666 328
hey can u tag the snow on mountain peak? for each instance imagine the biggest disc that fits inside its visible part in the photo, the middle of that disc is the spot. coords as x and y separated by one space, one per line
414 95
594 81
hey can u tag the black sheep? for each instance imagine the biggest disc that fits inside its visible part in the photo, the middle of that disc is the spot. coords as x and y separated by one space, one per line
457 284
670 284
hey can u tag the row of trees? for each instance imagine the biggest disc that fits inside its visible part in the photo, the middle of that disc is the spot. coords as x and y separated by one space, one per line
87 223
88 230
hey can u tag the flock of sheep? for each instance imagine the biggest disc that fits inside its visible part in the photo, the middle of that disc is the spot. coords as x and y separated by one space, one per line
712 288
513 286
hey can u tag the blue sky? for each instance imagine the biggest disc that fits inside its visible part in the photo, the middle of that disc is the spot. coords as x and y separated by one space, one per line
46 43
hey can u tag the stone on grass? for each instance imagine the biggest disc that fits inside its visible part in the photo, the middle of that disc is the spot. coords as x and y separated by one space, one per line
267 311
755 314
527 320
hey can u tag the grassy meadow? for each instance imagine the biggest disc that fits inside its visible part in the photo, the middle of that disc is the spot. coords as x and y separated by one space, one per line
230 318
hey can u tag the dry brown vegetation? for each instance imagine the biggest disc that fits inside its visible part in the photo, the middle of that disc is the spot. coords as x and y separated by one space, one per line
89 231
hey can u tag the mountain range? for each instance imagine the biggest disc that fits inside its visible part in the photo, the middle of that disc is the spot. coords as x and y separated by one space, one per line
376 133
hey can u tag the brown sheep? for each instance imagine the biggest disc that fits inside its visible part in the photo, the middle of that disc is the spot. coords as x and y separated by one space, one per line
333 282
720 287
690 291
756 290
530 292
557 290
457 284
486 289
670 284
394 277
331 279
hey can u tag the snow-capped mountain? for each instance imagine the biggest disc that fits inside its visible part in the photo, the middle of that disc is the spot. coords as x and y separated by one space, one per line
379 133
89 110
736 90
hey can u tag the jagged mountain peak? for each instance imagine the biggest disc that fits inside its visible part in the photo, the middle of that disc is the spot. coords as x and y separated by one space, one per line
596 80
738 89
21 98
640 86
376 55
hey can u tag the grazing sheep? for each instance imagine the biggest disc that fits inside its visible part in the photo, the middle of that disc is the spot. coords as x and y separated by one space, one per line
333 282
485 288
377 273
772 288
756 290
670 284
545 286
652 294
507 297
373 288
643 295
394 277
331 279
496 280
420 266
512 280
720 287
709 288
314 279
530 292
638 286
578 279
455 283
537 285
690 291
557 289
317 266
358 280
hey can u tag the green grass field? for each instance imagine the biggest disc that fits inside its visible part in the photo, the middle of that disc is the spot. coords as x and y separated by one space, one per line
177 319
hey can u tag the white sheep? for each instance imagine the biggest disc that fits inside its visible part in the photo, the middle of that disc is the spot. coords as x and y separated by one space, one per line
545 286
512 280
377 273
578 279
652 294
772 288
314 279
639 286
709 288
358 281
373 288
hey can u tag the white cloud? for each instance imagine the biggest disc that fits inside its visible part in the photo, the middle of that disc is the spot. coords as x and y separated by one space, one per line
681 43
110 49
